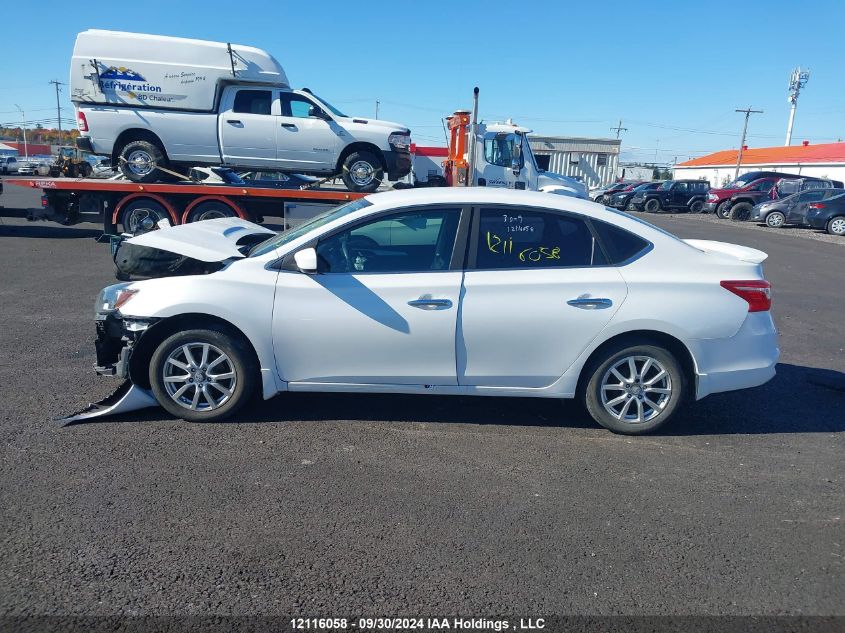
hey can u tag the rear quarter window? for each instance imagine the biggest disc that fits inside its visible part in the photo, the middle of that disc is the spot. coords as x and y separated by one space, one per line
621 245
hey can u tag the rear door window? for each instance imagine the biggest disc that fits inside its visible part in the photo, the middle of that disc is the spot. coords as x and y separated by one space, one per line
253 102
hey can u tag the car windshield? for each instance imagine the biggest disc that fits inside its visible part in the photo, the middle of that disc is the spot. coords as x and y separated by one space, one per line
280 239
643 187
329 106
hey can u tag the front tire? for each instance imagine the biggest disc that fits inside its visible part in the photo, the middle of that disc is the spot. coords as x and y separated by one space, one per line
142 215
722 210
836 226
775 220
634 388
203 375
652 205
140 161
362 172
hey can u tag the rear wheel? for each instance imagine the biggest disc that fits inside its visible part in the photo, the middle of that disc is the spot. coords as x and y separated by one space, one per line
722 210
634 388
211 210
696 206
836 226
140 160
142 215
362 172
652 205
203 375
775 220
741 211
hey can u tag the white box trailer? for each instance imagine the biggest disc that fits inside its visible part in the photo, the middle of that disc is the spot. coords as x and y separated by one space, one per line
114 67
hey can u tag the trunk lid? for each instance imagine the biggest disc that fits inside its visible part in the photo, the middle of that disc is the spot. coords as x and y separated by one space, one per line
726 249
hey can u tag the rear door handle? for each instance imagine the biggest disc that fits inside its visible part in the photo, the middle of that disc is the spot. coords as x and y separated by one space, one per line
427 303
590 303
290 126
233 122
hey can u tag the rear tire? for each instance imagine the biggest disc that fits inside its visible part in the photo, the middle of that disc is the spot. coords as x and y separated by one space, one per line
652 205
741 211
775 220
634 399
210 381
139 161
836 226
362 172
142 215
722 210
210 210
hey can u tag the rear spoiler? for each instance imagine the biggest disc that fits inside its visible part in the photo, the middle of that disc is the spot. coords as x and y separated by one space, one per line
742 253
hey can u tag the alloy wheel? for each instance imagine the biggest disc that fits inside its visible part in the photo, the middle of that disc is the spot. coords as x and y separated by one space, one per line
199 376
636 389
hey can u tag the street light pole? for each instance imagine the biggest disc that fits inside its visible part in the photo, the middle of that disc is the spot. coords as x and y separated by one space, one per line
748 113
25 147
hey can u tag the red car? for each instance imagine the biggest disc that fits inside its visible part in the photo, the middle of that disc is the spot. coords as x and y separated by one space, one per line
718 200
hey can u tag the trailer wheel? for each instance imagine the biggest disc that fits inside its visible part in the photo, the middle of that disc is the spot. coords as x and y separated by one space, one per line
362 172
140 160
210 210
142 215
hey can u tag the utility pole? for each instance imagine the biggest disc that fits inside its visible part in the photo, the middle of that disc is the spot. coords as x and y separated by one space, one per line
619 128
377 105
25 148
797 80
748 113
58 83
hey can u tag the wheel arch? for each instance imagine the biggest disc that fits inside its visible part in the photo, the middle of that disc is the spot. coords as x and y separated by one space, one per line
651 337
144 349
237 208
360 145
118 208
135 134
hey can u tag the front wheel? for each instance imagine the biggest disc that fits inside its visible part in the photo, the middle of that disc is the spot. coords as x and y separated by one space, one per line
634 389
836 226
140 161
775 220
723 210
362 172
203 375
142 215
652 205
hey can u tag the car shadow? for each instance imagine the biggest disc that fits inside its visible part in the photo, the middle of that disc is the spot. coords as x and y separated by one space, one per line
48 232
798 400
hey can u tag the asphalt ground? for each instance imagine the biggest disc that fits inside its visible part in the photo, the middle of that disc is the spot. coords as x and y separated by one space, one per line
358 505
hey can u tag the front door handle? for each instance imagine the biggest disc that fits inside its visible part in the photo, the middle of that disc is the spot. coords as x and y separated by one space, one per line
427 303
290 126
233 122
590 303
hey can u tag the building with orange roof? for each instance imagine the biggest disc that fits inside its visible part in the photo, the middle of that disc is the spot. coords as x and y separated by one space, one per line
822 160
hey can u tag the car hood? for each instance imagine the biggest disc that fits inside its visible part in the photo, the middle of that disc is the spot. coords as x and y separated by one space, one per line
363 123
556 183
207 241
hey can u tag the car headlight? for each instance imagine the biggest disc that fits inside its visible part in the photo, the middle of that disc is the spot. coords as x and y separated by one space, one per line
112 298
400 140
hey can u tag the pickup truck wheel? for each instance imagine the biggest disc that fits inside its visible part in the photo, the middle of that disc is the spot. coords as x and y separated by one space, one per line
722 210
741 211
775 220
836 226
652 205
142 215
203 375
362 172
696 206
211 210
140 160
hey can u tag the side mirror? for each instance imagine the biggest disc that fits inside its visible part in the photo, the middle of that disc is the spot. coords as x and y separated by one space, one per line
318 113
516 161
306 260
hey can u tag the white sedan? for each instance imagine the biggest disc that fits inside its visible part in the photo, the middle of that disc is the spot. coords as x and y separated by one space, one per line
459 291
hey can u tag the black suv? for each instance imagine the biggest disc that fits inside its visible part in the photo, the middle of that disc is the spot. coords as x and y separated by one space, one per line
686 195
620 199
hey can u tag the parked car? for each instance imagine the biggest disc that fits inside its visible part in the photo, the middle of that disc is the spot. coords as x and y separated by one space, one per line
828 214
442 291
791 209
102 169
679 195
740 205
598 195
620 199
8 165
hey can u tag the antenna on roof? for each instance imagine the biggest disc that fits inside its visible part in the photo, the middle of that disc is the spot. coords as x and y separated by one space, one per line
231 58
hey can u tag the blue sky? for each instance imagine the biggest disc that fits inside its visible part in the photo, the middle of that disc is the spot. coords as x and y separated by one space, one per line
673 72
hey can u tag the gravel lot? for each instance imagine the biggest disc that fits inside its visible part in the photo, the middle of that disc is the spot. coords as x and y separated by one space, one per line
342 505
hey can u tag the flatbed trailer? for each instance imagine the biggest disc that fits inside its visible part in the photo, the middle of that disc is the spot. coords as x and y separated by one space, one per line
125 206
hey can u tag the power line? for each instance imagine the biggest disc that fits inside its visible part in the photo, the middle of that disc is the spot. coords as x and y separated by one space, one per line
619 128
748 112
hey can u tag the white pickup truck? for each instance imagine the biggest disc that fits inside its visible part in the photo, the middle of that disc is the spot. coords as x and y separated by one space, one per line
150 102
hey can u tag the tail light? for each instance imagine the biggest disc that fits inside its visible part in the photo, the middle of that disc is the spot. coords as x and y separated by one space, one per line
757 292
817 205
81 122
